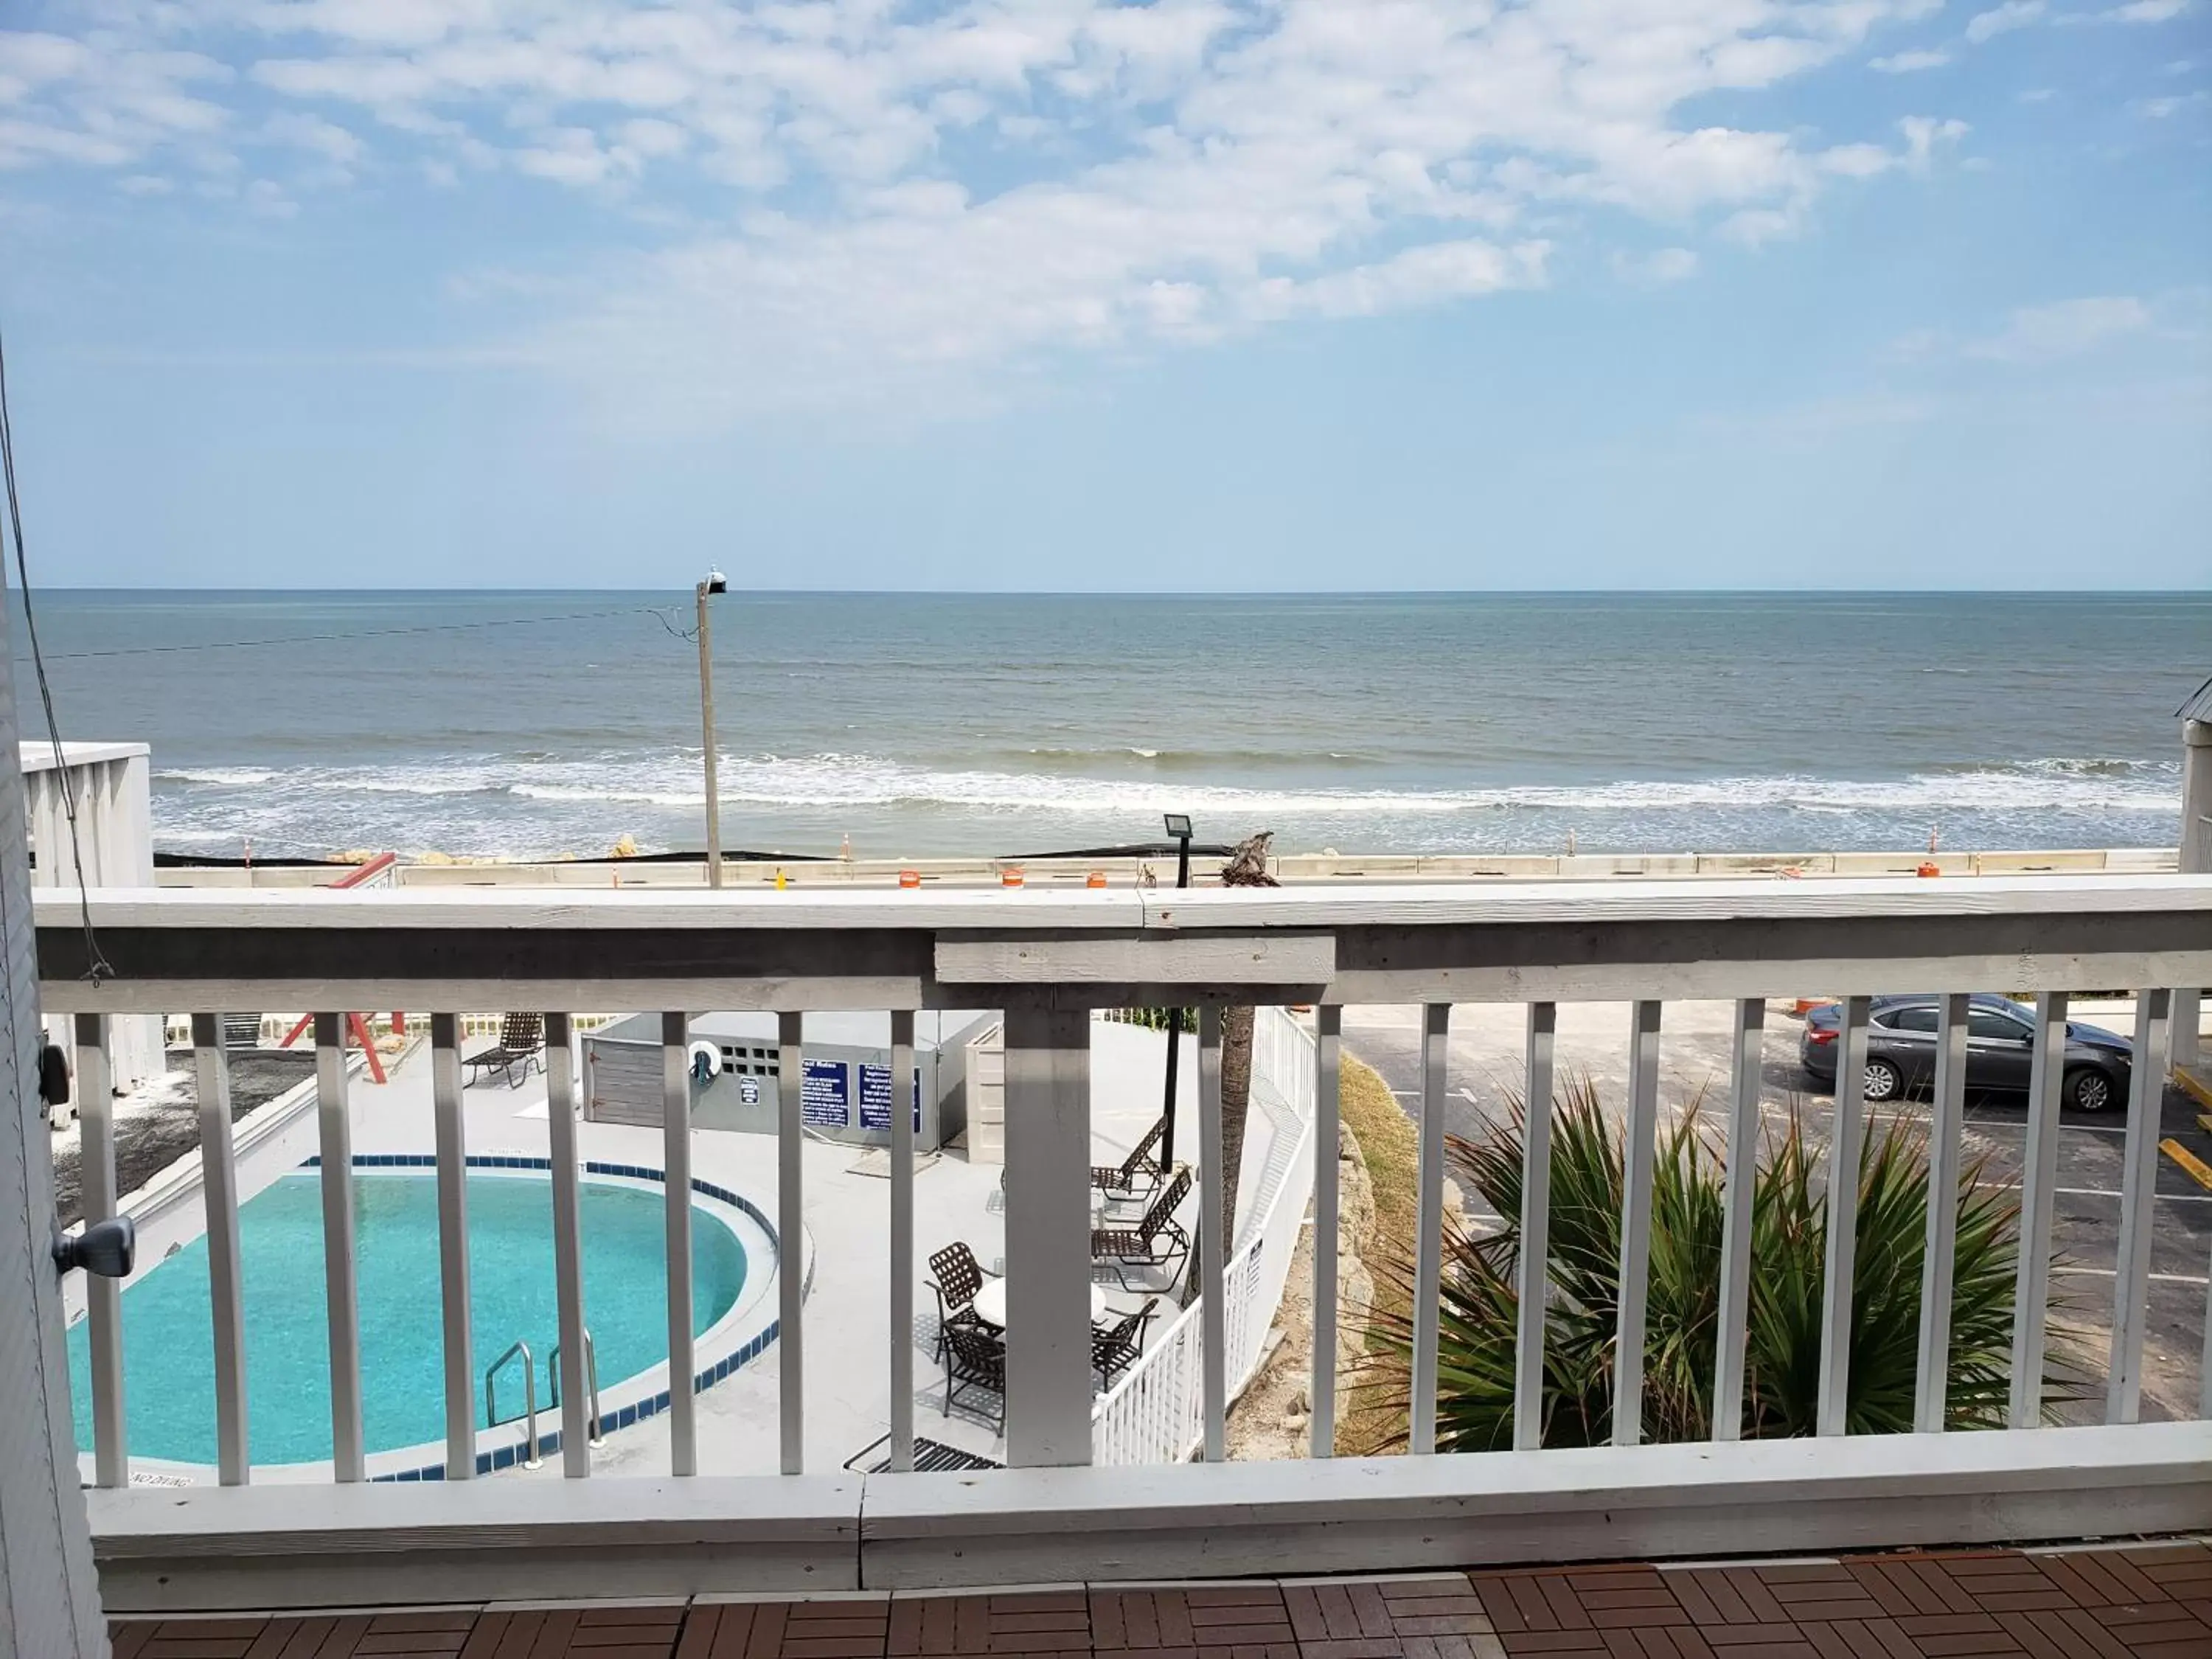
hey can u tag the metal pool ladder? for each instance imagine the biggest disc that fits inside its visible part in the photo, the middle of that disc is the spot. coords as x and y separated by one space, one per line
492 1418
591 1383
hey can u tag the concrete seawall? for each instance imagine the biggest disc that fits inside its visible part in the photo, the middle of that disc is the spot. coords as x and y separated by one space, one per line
1297 868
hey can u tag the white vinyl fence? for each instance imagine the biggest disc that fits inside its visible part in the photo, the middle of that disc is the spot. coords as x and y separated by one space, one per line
1155 1413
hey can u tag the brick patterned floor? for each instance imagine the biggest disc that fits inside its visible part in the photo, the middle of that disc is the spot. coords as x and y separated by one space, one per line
2154 1602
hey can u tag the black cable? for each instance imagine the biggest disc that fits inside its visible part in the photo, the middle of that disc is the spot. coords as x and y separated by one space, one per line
97 966
364 634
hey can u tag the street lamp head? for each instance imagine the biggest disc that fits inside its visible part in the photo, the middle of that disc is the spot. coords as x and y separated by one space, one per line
1178 825
716 582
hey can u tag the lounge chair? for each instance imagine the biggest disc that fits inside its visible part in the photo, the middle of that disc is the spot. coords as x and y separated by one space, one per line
1154 1240
930 1457
974 1356
955 1279
1115 1348
521 1045
1138 1176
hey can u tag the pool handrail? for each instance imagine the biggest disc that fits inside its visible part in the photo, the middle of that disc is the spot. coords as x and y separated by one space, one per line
492 1419
591 1383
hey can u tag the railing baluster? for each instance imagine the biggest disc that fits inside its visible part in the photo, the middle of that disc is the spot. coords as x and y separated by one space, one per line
1732 1318
676 1195
2205 1370
1212 1244
2039 1178
1429 1227
1637 1171
453 1246
1328 1082
2138 1195
902 1108
1844 1139
790 1241
578 1406
334 1127
219 1185
1534 1283
1931 1383
111 1448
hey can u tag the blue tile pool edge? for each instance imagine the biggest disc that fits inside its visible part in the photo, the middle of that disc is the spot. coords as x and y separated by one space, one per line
506 1457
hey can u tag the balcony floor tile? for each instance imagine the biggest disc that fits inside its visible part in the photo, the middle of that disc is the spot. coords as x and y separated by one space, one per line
2141 1602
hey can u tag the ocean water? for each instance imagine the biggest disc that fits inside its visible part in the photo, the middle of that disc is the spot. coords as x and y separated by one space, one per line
549 723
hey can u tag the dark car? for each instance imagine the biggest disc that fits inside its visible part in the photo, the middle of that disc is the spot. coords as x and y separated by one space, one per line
1901 1040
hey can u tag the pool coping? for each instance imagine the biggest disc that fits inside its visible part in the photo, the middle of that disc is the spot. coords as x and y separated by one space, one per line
423 1461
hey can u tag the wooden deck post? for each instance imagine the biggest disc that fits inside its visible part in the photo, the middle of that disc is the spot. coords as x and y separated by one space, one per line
1047 1233
50 1605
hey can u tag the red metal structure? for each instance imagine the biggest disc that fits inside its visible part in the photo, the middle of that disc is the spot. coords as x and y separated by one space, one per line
375 873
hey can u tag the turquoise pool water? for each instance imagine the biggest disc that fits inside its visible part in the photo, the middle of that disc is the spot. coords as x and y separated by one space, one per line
169 1347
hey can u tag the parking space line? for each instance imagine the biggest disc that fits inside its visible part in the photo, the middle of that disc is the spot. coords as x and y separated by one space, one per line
2195 1168
2107 1192
2107 1273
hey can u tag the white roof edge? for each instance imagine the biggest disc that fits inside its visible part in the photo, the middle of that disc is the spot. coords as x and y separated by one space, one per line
39 756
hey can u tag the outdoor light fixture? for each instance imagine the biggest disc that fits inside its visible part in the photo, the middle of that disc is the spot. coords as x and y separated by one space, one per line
1178 825
716 582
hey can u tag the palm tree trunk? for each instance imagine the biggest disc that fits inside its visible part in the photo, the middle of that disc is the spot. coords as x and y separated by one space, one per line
1246 867
1236 1105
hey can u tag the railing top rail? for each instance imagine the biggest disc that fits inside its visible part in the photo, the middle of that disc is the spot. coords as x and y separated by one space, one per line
459 950
1132 909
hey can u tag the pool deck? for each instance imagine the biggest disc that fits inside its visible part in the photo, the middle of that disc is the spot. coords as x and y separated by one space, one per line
846 1216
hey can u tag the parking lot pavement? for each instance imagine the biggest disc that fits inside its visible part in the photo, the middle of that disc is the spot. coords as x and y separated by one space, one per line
1483 1070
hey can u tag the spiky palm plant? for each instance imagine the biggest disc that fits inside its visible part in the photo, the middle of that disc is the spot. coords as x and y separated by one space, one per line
1480 1309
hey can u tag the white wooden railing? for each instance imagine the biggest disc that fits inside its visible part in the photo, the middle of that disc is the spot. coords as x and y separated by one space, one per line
1157 1410
1047 958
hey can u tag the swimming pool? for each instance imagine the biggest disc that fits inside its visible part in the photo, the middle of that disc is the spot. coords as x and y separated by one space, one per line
169 1348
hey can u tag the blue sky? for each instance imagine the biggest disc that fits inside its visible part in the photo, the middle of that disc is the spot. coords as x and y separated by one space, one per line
1073 294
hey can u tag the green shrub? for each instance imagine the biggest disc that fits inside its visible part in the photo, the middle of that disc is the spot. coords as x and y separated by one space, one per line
1481 1305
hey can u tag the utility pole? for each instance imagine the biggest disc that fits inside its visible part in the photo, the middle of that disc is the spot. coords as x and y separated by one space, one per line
713 584
1178 826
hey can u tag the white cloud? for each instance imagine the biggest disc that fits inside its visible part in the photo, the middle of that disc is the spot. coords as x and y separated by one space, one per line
1666 265
2066 328
267 198
2144 11
326 139
1923 133
1998 20
1909 62
1173 170
112 103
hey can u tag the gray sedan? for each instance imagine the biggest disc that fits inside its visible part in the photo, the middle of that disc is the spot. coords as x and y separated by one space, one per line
1902 1033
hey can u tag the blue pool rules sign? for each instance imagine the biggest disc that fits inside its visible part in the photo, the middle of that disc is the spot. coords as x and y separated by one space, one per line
876 1098
825 1096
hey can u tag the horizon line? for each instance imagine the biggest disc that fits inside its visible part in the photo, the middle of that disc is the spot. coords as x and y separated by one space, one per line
2104 591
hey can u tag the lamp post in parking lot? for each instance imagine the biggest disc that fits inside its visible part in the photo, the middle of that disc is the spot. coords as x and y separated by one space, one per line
1178 827
714 582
